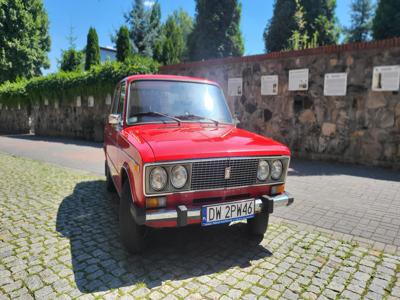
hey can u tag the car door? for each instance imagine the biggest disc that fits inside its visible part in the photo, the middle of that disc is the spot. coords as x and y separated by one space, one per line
113 132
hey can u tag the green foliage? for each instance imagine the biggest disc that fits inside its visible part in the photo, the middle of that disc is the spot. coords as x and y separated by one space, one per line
300 38
320 18
92 49
65 85
386 22
299 24
361 21
216 31
123 44
172 46
24 39
71 60
144 27
280 28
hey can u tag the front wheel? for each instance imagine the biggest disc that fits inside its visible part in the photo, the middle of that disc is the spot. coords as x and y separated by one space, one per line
132 234
258 225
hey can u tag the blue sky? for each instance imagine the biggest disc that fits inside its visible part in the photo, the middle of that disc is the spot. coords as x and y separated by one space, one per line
107 15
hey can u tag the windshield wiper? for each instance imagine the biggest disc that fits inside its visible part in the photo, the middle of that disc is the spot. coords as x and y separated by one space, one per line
155 113
192 116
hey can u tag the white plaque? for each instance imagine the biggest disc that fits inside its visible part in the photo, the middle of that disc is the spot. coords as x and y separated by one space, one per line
298 80
335 84
235 86
90 101
269 85
108 99
386 78
78 101
1 105
46 102
56 106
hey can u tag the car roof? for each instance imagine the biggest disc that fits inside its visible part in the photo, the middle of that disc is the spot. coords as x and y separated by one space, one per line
169 77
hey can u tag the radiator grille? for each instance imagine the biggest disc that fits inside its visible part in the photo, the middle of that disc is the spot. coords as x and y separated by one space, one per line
210 174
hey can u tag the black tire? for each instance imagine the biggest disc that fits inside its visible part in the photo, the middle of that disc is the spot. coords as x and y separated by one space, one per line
132 234
109 182
258 225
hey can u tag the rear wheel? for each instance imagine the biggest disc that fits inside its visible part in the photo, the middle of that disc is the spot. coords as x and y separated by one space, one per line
258 225
109 182
132 234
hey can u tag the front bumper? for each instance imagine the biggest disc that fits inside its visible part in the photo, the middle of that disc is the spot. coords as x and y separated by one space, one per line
182 214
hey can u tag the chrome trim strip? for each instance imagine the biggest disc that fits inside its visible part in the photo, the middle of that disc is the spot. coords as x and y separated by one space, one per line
284 199
210 159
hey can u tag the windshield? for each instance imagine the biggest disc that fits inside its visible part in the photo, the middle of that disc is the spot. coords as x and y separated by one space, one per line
176 101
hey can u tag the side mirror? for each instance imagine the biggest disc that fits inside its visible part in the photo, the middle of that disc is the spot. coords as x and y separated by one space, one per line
114 119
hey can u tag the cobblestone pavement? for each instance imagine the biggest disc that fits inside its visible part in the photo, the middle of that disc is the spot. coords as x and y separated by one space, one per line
357 200
59 239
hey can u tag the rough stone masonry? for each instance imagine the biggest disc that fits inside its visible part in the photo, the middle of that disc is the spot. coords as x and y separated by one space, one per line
361 127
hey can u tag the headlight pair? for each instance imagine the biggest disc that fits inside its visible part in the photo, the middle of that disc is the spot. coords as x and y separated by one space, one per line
159 177
263 170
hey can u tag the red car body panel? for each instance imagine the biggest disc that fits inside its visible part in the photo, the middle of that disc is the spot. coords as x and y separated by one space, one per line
131 147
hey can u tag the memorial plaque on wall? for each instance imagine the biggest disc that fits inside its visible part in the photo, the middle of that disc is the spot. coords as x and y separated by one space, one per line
386 78
235 86
298 80
269 85
335 84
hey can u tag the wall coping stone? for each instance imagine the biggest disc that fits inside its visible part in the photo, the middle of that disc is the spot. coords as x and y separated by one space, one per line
381 44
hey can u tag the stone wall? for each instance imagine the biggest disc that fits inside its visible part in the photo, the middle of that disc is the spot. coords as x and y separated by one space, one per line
81 117
361 127
14 120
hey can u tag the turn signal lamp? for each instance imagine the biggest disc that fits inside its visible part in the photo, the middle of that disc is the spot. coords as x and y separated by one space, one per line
156 202
277 189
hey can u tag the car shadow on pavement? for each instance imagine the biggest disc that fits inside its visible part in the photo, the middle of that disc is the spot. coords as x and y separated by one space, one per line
89 218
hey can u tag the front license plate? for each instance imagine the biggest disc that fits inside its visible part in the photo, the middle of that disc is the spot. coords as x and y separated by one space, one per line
227 212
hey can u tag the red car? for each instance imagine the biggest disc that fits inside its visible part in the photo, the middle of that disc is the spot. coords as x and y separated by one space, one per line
175 157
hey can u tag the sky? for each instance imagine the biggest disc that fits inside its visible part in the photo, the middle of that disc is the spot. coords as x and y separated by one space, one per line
108 15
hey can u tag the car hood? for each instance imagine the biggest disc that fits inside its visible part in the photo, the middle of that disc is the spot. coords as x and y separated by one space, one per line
196 141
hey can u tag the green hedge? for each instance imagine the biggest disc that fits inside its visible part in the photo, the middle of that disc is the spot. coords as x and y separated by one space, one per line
66 85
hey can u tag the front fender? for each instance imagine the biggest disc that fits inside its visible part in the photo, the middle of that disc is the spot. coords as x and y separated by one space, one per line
132 171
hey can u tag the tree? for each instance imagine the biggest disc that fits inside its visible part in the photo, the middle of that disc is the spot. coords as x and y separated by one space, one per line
174 36
24 39
71 59
173 44
280 28
123 44
92 49
144 27
185 23
300 38
386 22
361 21
320 18
216 31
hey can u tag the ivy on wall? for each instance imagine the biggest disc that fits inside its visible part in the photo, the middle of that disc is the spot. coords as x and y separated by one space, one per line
65 86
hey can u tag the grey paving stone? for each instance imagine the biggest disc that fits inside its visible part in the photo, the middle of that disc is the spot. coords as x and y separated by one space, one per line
69 247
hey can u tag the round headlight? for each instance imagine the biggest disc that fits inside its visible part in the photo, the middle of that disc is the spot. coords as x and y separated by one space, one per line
276 169
158 178
179 176
263 170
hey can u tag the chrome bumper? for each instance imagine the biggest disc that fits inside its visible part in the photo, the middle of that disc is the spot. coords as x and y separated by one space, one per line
181 214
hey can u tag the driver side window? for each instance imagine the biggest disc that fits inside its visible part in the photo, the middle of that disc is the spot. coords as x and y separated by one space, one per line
119 97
